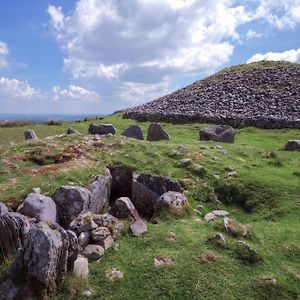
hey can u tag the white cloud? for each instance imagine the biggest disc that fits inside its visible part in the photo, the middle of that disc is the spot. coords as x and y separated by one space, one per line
13 89
74 93
251 34
57 17
3 55
135 92
289 55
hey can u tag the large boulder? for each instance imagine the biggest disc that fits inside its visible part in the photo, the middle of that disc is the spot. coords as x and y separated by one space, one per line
293 145
156 133
100 192
29 134
40 207
102 129
13 230
71 201
42 262
3 209
122 178
133 131
219 133
123 208
147 189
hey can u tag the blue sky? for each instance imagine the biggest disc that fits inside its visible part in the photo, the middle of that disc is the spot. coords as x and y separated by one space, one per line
97 56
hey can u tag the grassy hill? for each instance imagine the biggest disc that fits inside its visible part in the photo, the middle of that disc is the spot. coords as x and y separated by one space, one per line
265 194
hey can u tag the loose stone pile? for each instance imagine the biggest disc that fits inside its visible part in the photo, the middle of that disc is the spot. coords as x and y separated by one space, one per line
266 96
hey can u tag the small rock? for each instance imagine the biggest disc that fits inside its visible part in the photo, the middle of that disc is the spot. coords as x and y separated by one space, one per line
220 213
172 200
88 293
185 162
99 234
93 252
209 217
218 239
156 133
72 131
30 135
114 274
106 243
123 208
268 280
138 227
81 267
87 227
171 236
102 129
163 261
37 191
293 145
232 174
219 133
84 238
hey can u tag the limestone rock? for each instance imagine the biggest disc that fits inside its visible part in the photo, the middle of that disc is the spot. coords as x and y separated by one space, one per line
100 192
93 252
218 239
293 145
3 209
102 129
220 213
220 133
123 209
73 249
156 133
134 131
171 200
71 201
88 226
209 217
40 207
81 267
138 227
30 135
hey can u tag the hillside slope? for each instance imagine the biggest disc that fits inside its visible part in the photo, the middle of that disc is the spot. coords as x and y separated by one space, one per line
264 94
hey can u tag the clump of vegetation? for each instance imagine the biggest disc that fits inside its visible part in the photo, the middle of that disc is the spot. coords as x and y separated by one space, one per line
13 123
54 123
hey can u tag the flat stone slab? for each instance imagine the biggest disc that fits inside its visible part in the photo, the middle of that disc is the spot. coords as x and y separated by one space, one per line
138 228
220 213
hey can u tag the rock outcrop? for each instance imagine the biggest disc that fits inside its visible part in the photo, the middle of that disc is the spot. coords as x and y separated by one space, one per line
265 95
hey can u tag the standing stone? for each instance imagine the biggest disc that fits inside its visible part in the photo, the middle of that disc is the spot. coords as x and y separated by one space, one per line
3 209
293 145
102 129
30 135
156 133
71 201
134 131
121 185
123 209
100 192
81 267
42 261
13 230
40 207
219 133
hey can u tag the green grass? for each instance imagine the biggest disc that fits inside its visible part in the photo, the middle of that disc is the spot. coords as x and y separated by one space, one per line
265 182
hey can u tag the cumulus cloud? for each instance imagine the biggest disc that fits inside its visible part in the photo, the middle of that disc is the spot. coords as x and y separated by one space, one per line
289 55
251 34
74 93
3 55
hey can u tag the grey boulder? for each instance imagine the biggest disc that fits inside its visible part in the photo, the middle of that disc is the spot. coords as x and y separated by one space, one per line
138 227
219 133
156 133
70 202
29 134
93 252
102 129
133 131
123 208
81 267
40 207
293 145
171 200
100 234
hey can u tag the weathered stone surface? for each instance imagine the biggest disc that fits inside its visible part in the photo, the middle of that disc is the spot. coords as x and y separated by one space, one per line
40 207
123 208
246 253
163 261
99 234
220 133
70 202
121 186
3 209
100 192
220 213
106 243
171 200
84 238
93 252
293 145
89 226
9 290
73 249
102 129
134 131
156 133
72 131
42 261
81 267
138 227
109 221
209 217
250 97
218 239
13 230
147 189
30 135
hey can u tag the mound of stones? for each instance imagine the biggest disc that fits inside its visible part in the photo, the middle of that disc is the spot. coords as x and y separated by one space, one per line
50 236
265 95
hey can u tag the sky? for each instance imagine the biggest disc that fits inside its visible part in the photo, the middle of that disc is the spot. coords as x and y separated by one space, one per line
98 56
